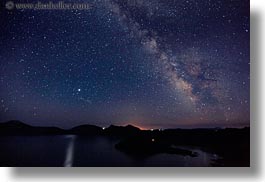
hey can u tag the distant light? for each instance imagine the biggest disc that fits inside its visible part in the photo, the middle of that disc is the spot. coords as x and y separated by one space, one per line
103 128
79 90
152 129
153 140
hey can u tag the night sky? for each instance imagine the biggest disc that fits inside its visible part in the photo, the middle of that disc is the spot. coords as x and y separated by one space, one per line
153 64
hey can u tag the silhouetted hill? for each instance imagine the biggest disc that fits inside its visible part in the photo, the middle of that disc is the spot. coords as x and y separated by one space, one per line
232 144
14 124
19 128
86 130
128 130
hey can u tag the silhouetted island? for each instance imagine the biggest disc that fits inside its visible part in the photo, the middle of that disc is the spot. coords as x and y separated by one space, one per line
143 146
231 144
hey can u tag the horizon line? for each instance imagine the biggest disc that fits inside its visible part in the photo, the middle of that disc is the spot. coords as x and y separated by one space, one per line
139 127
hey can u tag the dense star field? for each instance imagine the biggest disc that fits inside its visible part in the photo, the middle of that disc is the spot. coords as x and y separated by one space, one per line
153 64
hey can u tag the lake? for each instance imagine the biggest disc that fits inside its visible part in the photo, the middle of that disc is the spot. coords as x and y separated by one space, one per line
86 151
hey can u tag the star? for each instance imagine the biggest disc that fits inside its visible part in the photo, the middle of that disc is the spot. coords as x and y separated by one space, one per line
142 62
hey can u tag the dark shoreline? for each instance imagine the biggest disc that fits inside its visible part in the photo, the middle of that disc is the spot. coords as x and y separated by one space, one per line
231 144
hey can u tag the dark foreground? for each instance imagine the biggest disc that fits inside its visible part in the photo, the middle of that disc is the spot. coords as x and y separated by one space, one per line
87 145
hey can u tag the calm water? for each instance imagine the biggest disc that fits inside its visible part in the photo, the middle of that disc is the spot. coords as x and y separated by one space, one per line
84 151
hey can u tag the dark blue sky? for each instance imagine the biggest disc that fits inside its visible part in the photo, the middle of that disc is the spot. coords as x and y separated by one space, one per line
148 63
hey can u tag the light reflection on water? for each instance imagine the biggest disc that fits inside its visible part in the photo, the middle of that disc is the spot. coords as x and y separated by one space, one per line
70 151
84 151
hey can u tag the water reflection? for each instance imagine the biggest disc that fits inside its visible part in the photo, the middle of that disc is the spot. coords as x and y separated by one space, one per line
70 151
84 151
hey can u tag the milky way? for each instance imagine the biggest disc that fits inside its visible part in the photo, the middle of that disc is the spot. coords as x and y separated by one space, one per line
148 63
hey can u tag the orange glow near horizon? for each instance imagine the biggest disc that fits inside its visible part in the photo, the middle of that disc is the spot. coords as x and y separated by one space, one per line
138 126
141 127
